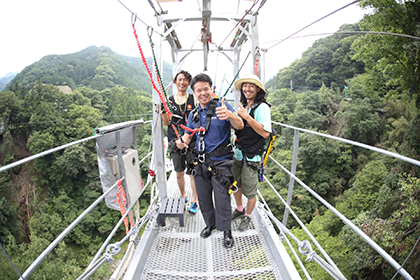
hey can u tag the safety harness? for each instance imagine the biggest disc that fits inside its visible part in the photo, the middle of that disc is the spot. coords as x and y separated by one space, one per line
248 141
201 157
251 143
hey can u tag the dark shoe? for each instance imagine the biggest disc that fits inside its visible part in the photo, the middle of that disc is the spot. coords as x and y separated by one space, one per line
244 223
237 214
206 232
228 239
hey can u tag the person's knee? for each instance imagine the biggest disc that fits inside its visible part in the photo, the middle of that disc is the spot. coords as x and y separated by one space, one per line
180 175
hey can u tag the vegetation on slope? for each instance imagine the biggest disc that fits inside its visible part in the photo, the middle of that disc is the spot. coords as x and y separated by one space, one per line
379 107
93 67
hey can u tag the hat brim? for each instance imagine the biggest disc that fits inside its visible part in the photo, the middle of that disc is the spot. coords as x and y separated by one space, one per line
238 83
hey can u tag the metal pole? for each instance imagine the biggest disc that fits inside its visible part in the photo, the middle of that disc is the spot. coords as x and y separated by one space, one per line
174 68
134 130
121 167
236 56
157 129
255 47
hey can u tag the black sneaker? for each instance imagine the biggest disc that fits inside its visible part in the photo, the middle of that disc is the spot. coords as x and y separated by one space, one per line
236 214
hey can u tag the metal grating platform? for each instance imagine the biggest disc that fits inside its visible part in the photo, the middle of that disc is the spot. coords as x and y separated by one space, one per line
180 253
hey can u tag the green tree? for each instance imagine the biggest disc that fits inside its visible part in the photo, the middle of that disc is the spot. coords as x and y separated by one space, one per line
9 108
329 61
358 121
396 59
362 196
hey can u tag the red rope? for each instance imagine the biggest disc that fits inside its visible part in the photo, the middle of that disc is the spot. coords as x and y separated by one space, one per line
256 67
193 130
162 98
165 105
122 208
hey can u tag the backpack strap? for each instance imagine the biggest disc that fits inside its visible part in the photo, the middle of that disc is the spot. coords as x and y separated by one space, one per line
255 106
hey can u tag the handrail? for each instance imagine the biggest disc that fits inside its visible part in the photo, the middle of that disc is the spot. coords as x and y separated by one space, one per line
305 248
114 230
44 153
323 252
99 132
38 260
372 243
283 235
382 151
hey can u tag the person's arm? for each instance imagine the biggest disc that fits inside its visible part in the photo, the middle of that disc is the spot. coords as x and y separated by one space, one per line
165 118
235 120
186 138
256 126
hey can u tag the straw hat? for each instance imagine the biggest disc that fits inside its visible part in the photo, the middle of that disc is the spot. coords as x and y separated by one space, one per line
254 79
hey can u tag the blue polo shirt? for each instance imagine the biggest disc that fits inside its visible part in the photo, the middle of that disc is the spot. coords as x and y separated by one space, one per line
218 132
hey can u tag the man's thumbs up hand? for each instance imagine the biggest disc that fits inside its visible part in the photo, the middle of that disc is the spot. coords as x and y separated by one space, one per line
222 112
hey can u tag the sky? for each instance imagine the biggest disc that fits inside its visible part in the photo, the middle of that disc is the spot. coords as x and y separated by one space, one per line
30 30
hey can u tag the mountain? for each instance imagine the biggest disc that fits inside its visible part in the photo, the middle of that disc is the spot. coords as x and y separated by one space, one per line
94 67
329 61
6 79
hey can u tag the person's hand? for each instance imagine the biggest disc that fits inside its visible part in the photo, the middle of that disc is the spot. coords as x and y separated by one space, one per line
181 144
242 112
222 112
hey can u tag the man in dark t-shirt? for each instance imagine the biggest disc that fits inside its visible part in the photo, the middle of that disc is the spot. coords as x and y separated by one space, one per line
181 104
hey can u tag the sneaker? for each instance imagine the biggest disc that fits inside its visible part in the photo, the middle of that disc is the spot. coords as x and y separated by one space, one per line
193 208
244 223
237 214
186 199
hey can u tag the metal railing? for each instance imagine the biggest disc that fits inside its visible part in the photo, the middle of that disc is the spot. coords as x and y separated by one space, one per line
293 178
58 239
329 265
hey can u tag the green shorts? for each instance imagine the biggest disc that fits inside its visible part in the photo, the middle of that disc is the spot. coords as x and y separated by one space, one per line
181 161
246 177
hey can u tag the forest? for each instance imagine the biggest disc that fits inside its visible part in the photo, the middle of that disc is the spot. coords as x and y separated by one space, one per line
362 87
